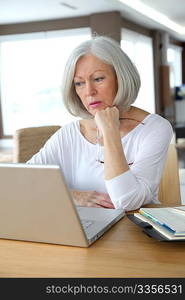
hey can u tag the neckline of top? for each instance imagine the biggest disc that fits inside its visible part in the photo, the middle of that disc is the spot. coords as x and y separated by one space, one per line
77 123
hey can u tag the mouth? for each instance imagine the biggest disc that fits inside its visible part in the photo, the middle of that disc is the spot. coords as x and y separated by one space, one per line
95 104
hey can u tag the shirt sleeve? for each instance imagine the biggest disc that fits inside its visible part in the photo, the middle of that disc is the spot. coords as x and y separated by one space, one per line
140 184
49 153
58 150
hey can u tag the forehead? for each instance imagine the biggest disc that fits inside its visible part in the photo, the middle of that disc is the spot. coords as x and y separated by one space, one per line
89 64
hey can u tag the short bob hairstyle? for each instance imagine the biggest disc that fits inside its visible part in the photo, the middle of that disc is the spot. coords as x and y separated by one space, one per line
110 52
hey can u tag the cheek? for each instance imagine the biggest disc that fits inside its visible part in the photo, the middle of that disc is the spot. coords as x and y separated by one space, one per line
111 89
115 89
115 86
79 93
111 86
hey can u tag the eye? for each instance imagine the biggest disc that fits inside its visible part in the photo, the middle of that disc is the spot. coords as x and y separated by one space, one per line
98 79
78 83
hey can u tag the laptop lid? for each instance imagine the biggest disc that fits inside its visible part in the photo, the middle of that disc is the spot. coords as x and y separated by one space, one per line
36 205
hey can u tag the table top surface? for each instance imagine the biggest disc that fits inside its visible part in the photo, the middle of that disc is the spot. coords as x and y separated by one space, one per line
124 251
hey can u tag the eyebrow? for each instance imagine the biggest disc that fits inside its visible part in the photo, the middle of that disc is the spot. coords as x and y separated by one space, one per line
91 74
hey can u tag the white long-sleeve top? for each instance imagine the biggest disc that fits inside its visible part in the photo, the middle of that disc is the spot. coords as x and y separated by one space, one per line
145 149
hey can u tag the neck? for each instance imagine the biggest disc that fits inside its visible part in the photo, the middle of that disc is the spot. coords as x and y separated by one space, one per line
126 112
91 125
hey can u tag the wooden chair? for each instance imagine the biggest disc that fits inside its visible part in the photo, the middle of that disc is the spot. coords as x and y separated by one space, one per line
169 191
28 141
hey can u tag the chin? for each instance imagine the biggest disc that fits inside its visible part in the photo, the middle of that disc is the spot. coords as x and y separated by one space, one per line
95 110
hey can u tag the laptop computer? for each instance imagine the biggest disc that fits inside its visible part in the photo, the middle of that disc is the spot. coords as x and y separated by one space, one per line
36 205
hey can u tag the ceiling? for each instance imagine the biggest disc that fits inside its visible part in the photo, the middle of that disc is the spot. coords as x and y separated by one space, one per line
174 9
18 11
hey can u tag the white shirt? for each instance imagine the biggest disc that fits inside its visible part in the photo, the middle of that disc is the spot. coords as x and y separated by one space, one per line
145 149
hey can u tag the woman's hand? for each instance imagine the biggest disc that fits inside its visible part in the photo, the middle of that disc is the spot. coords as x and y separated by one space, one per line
91 199
108 124
107 119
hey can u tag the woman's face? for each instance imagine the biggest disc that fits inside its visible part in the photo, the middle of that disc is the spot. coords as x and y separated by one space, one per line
95 83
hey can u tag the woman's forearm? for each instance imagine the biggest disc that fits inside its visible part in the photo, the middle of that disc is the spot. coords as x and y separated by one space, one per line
114 158
108 124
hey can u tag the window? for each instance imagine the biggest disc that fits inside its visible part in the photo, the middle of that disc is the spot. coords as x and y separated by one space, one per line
140 50
174 57
31 68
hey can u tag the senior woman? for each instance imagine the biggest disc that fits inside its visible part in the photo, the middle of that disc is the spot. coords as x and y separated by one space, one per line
112 157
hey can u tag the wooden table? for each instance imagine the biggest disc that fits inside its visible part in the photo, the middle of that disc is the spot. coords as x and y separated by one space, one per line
124 251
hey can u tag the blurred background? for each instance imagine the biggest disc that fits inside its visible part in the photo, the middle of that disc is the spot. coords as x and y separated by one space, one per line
37 36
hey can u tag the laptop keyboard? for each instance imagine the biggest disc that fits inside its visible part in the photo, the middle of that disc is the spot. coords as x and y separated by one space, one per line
86 223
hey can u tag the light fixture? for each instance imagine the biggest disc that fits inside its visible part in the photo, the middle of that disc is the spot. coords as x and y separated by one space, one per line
68 5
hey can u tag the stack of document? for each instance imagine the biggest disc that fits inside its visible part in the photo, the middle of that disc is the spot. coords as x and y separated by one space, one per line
168 221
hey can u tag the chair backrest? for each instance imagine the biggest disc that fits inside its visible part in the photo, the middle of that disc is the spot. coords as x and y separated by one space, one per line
28 141
169 191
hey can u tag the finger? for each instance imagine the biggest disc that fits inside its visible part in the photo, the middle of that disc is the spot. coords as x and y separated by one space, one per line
104 195
103 206
107 204
98 205
107 198
93 203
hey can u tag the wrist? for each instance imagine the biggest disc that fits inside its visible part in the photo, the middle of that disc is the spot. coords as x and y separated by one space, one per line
112 134
75 195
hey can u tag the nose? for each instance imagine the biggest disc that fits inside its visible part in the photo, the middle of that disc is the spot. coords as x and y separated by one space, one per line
90 89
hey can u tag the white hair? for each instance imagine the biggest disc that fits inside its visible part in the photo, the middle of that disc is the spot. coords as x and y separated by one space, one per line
109 52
